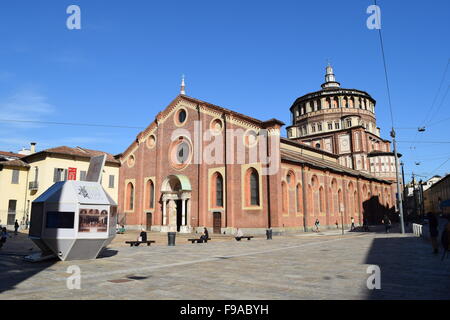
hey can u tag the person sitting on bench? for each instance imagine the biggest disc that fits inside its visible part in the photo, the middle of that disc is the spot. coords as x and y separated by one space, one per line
121 230
204 237
239 234
142 236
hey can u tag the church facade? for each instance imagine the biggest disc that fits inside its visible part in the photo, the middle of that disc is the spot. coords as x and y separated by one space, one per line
200 165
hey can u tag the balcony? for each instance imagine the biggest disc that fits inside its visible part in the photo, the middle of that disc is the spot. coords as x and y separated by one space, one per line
33 185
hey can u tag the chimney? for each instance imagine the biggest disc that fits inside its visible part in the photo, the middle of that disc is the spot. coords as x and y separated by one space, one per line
33 147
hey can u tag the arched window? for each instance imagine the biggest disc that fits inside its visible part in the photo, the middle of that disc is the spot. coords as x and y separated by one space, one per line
217 187
321 200
340 202
253 187
130 196
285 199
299 195
150 194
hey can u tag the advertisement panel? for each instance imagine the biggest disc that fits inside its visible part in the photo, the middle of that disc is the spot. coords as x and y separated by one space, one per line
93 220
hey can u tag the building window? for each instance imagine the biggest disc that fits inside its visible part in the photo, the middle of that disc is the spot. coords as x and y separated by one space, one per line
11 212
299 198
82 175
253 187
319 127
111 181
150 194
15 177
336 125
313 128
218 190
130 197
284 195
59 175
330 126
321 200
349 123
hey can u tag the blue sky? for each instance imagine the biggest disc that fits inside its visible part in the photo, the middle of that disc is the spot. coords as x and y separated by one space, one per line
255 57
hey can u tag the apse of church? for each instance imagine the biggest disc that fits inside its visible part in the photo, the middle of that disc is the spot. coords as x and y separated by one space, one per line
343 121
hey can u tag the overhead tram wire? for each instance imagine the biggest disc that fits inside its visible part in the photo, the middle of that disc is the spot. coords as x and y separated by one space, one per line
435 170
397 166
432 104
74 124
437 93
440 105
425 142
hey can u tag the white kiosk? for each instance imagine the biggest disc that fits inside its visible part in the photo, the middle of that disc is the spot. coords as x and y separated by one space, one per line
74 220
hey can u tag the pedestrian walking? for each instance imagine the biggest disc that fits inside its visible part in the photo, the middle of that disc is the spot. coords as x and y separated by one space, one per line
387 223
365 224
16 227
353 224
433 225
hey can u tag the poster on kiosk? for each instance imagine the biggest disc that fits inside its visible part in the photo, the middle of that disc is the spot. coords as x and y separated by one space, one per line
74 220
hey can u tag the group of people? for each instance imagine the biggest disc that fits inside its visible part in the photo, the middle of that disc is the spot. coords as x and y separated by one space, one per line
4 234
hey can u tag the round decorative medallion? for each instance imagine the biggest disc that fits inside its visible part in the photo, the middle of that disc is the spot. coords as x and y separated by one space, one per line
250 138
131 160
216 126
151 141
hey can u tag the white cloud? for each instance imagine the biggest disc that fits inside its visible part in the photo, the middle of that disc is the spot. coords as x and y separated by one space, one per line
26 105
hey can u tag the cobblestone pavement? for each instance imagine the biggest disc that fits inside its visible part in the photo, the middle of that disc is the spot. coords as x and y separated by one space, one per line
303 266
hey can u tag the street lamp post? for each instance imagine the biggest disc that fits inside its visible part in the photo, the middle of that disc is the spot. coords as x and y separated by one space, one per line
399 195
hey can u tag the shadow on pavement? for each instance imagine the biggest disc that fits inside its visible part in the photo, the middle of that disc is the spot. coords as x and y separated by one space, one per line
14 269
409 270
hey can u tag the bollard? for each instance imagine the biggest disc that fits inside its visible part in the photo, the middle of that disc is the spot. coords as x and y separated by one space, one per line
171 238
269 234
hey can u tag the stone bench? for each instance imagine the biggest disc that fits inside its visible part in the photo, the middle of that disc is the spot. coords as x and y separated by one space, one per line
244 237
137 243
198 240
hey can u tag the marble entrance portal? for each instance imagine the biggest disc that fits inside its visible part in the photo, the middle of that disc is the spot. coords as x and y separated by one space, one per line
176 193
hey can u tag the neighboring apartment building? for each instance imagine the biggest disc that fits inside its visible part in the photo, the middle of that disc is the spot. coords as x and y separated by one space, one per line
13 181
437 197
40 170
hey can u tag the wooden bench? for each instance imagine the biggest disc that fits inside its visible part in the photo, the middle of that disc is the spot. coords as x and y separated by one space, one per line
137 243
244 237
198 240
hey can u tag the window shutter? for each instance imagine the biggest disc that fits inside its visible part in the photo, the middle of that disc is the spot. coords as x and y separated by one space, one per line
82 175
65 174
111 181
15 177
55 175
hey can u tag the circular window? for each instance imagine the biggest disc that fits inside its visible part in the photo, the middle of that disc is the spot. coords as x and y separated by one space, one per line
180 117
151 141
216 125
131 161
180 153
250 138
